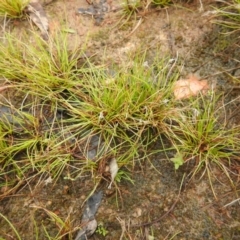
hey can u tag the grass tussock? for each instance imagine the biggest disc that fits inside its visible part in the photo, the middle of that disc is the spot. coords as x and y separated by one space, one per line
131 6
132 9
127 109
71 118
201 138
45 65
12 8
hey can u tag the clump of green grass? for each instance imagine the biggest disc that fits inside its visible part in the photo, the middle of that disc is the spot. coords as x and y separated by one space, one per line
132 9
48 66
30 142
31 139
62 106
230 15
129 109
131 6
134 6
12 8
199 137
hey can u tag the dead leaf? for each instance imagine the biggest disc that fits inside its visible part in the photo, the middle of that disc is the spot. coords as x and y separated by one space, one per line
38 16
185 88
113 168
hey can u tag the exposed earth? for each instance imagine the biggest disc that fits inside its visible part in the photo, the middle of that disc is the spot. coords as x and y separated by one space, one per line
162 203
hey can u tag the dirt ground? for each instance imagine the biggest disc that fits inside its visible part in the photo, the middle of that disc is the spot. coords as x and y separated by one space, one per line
134 211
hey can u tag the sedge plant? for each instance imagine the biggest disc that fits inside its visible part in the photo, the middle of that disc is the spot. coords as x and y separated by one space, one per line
199 137
45 67
128 109
62 107
12 8
31 122
133 8
30 139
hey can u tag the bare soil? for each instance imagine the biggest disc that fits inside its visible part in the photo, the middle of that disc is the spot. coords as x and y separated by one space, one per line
155 206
